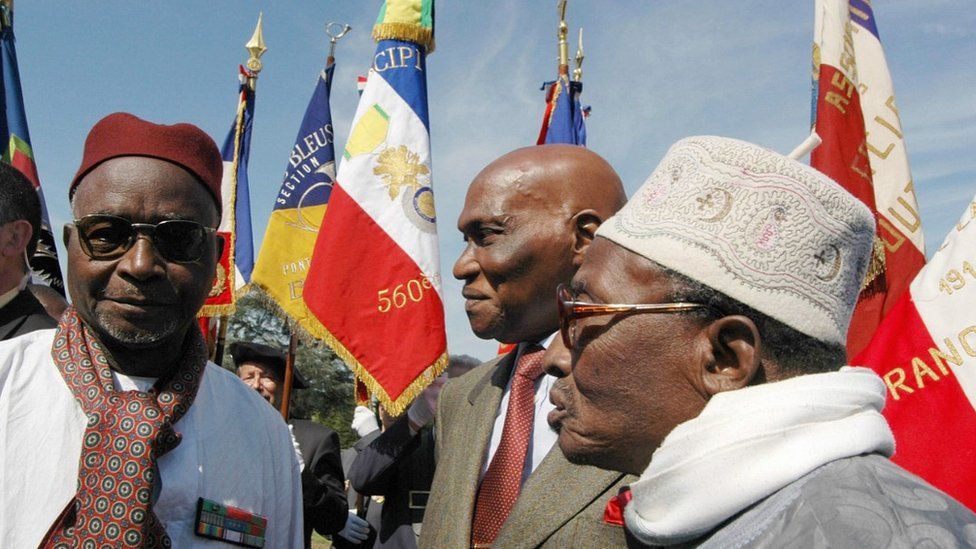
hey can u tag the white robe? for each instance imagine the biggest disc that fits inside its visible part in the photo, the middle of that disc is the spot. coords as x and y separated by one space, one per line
236 450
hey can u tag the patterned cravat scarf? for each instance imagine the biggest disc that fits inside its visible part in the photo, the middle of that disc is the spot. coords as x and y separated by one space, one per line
127 432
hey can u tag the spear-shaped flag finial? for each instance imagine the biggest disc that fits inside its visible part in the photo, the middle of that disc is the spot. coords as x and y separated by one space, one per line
6 13
255 46
578 71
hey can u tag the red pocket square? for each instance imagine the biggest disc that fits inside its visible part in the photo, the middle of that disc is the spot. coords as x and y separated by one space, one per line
614 513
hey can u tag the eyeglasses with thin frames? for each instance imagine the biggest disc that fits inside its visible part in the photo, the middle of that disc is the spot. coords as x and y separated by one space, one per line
570 310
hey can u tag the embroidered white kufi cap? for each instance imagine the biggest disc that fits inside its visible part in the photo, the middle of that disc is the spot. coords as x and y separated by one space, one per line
759 227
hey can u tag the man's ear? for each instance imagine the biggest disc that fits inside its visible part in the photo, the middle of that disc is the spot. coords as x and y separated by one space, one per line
17 235
734 362
66 233
585 224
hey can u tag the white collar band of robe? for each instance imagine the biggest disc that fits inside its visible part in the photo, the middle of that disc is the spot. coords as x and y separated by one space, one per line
748 444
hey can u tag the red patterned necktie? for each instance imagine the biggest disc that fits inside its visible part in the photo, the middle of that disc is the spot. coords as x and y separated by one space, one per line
503 479
127 431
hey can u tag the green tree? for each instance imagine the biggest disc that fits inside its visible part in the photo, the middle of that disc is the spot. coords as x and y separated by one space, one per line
329 397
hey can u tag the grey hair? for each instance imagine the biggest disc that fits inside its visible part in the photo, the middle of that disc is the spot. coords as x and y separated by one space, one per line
793 352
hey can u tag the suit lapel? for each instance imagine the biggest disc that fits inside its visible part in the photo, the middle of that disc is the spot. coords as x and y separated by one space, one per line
494 381
555 492
483 401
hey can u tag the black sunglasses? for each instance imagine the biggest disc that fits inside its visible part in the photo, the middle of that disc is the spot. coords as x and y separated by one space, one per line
109 237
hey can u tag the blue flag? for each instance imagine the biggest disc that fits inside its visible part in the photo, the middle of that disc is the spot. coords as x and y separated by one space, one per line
283 261
18 153
563 121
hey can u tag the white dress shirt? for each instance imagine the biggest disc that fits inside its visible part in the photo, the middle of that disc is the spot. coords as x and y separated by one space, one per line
236 450
543 436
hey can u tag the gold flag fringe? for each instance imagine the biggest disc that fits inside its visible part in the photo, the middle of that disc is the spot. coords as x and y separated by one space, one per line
224 309
875 280
227 309
263 296
392 407
555 96
410 32
320 335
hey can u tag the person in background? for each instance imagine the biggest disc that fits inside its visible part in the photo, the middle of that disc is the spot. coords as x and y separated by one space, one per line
20 223
398 465
366 424
703 348
527 221
117 430
262 368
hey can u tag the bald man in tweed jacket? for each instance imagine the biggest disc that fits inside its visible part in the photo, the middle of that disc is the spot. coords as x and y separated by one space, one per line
522 242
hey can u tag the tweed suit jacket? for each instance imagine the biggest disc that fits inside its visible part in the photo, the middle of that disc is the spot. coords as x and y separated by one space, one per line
560 505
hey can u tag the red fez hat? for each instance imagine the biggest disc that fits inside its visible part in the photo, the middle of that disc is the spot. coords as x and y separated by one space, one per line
122 134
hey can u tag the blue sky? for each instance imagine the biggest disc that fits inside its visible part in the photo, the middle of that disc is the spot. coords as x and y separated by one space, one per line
654 72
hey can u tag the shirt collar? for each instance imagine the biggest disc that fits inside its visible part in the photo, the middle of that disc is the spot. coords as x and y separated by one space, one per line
544 342
6 298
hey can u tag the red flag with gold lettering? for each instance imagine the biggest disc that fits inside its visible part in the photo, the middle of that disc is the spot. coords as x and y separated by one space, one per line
925 350
863 149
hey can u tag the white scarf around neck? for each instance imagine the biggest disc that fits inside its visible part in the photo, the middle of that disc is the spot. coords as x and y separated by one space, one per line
749 443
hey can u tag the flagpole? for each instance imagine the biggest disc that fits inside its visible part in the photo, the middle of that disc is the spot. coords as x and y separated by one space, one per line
563 44
289 375
256 48
218 347
9 4
333 38
209 336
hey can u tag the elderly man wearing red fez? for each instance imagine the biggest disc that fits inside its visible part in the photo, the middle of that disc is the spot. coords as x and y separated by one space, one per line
115 430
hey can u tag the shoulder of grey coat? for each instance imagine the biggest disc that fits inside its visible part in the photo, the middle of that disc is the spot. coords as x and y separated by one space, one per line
862 501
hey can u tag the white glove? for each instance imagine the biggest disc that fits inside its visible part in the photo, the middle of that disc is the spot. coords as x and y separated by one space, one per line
356 529
421 411
364 421
298 449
